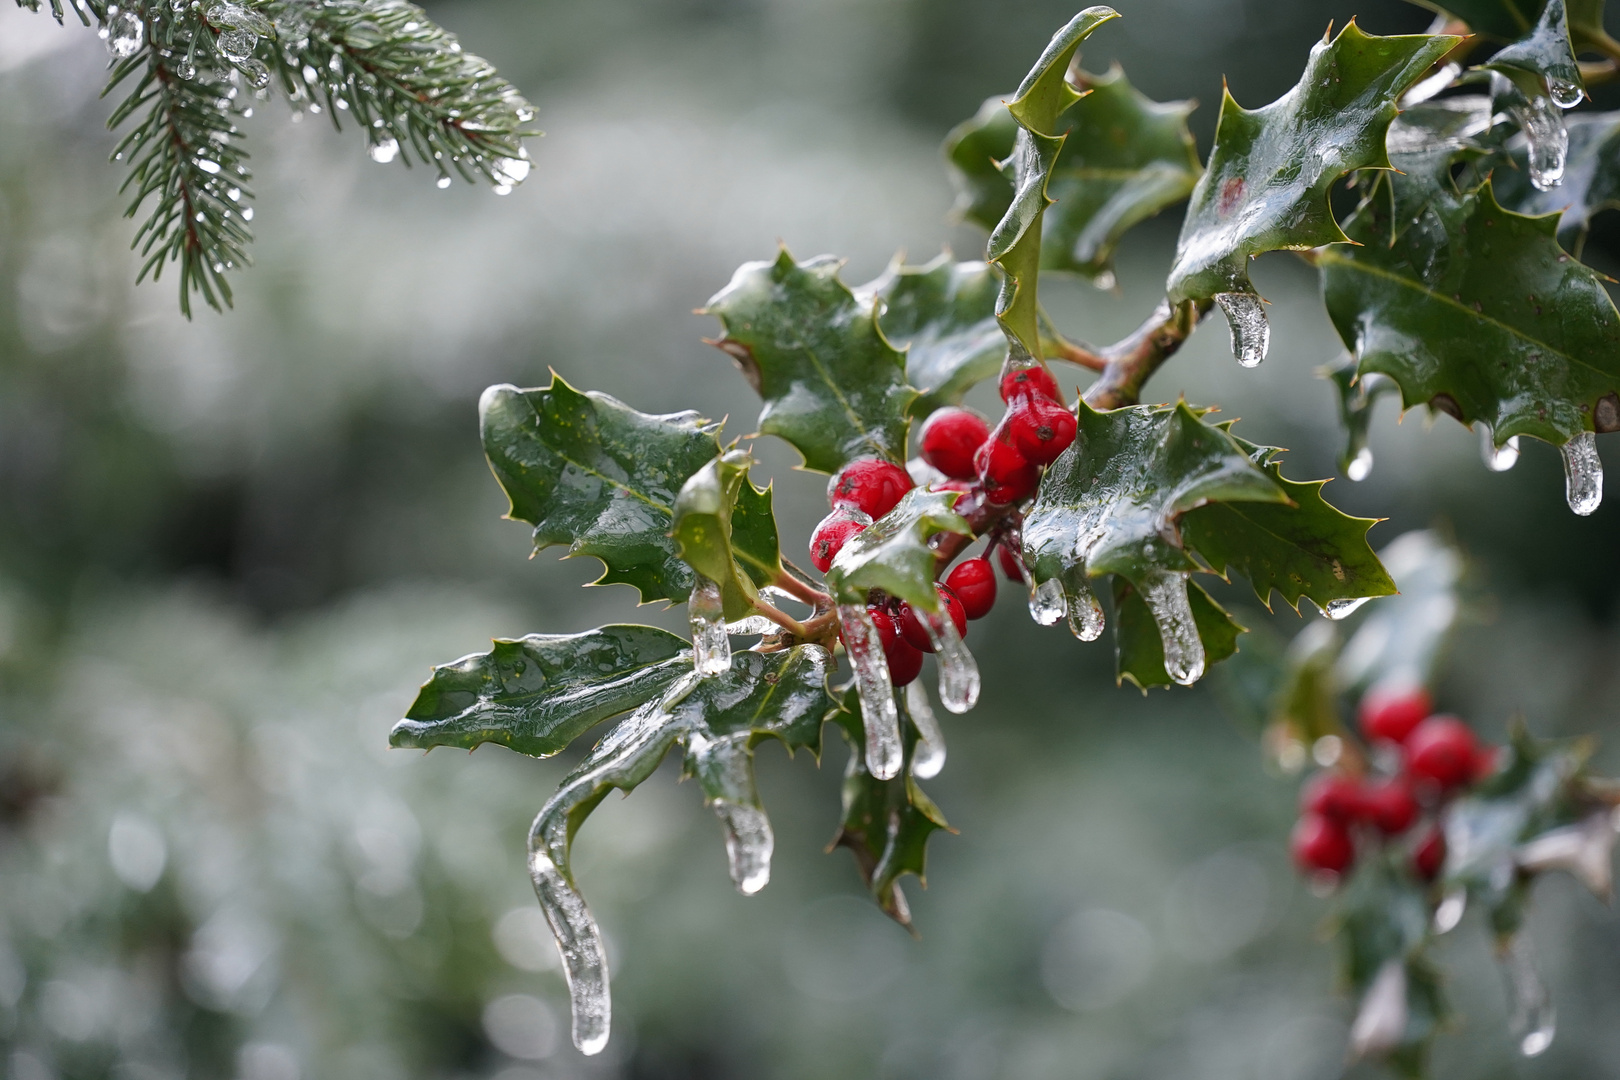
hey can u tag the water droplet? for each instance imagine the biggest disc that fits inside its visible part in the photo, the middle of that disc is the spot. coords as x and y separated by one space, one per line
749 844
1086 619
1360 466
1343 609
1533 1020
1381 1021
1106 281
384 150
236 45
1327 751
1046 602
247 213
185 68
125 34
502 189
1583 474
958 672
879 715
929 756
1565 94
442 182
711 647
257 75
1449 912
1251 333
1548 142
510 172
1165 593
1497 458
211 167
311 76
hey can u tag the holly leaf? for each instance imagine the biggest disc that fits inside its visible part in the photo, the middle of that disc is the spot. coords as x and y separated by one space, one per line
1124 158
1356 396
1138 648
588 471
1269 175
536 694
1591 179
833 385
725 529
1401 638
942 314
1544 50
893 553
1537 36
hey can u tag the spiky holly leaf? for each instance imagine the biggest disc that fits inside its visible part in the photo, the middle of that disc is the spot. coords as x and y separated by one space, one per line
536 694
1537 36
1591 179
886 823
1267 182
588 471
1138 648
942 314
1401 638
725 529
833 385
1479 314
1124 159
893 553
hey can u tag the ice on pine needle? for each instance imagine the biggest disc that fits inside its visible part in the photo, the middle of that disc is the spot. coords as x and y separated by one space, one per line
1046 603
928 758
1381 1021
124 33
711 648
958 672
1533 1019
384 150
879 715
1583 474
1251 332
1497 458
1086 619
1165 593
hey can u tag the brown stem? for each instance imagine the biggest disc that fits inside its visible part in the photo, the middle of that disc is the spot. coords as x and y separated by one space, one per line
1076 354
779 617
1131 362
794 582
1597 72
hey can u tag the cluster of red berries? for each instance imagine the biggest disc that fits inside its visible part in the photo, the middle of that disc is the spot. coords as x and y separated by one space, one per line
1436 757
989 468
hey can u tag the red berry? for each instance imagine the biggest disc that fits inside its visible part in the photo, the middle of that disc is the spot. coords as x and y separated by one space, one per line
912 629
1391 713
870 484
949 438
1442 750
1040 429
974 583
1486 761
1331 795
1430 854
1012 564
1389 806
1007 475
1023 382
905 662
1320 843
831 536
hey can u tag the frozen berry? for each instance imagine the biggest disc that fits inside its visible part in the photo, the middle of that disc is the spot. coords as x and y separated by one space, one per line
1392 712
912 629
1320 843
1429 855
1442 750
1389 806
1012 564
1023 382
974 583
1040 429
1007 475
905 661
949 438
1331 795
870 484
832 534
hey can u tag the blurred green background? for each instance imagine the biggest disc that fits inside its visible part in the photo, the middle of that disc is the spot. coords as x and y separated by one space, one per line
230 549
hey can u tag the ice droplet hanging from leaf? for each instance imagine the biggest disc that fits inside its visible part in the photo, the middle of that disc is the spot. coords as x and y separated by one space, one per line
879 715
958 672
1534 1020
929 757
1086 619
1497 458
711 647
1583 474
1251 331
1046 603
1165 593
749 845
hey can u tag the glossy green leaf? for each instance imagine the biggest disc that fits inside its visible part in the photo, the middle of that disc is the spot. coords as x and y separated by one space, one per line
1124 159
536 694
1543 50
1536 36
1591 179
1138 648
589 472
1267 182
1356 397
728 534
833 385
943 316
893 554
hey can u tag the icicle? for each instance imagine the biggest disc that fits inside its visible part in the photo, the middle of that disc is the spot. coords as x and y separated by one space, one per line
1534 1020
958 672
1360 466
1583 474
929 756
1548 142
580 942
1497 458
1586 850
1565 94
1449 912
1046 602
1251 333
384 150
1343 608
124 33
1086 619
1381 1022
879 715
711 648
749 844
1165 593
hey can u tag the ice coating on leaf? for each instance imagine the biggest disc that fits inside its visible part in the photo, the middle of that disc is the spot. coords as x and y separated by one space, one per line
928 758
749 844
958 672
1583 474
1585 849
1449 912
711 647
1086 619
1380 1023
1047 604
1533 1020
879 715
1497 458
1251 332
1165 593
752 626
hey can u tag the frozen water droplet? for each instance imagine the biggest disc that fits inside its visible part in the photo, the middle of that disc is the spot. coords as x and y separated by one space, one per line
711 648
236 45
1105 281
502 189
1533 1020
247 213
1583 474
1497 458
125 34
958 672
1449 912
749 844
211 167
879 715
1086 619
929 756
257 75
752 626
1046 602
1251 333
1548 142
384 150
1360 466
1165 593
1381 1021
1565 94
442 182
580 942
510 172
185 68
1343 609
